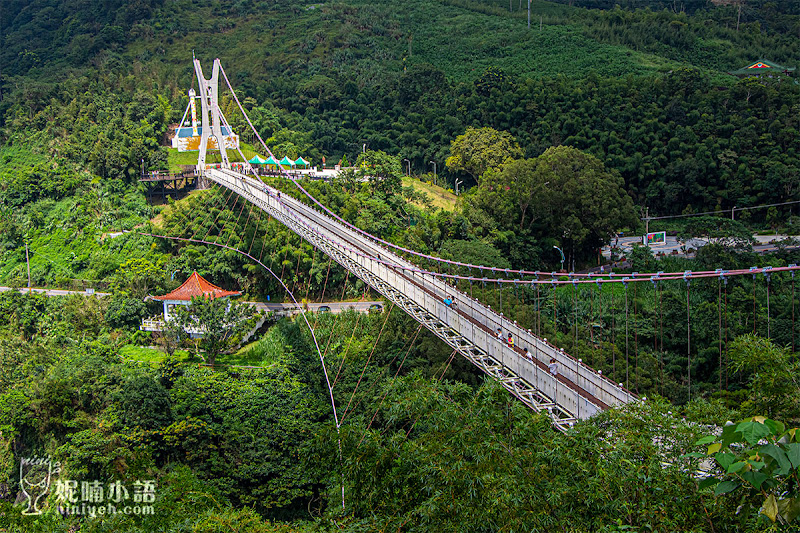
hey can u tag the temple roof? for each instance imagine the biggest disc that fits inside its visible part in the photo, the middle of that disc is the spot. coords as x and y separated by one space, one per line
196 286
762 67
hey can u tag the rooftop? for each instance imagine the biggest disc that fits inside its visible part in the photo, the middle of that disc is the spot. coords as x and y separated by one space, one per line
196 286
762 66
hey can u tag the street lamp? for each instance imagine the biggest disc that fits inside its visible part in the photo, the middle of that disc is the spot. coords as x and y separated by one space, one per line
458 182
409 166
364 148
562 256
434 170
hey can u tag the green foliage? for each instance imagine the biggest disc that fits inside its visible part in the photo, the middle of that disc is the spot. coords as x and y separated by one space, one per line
438 456
766 474
125 312
725 232
771 372
220 321
564 195
137 278
144 403
479 150
382 170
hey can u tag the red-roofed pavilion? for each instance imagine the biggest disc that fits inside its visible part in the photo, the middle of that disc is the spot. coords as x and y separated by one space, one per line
194 287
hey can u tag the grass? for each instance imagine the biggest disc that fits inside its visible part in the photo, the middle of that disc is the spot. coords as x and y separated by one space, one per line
143 354
254 354
166 210
177 160
439 196
264 352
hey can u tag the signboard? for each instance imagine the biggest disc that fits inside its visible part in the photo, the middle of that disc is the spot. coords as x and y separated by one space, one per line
657 238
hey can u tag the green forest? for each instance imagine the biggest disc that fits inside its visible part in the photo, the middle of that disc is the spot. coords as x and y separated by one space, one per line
564 124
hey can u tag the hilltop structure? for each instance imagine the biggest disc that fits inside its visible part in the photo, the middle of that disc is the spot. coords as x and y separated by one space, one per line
763 69
194 287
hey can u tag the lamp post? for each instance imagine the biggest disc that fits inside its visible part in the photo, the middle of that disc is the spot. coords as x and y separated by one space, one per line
409 166
364 148
458 182
434 170
562 256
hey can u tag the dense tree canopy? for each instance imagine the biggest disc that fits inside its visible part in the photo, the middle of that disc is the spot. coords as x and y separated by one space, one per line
564 196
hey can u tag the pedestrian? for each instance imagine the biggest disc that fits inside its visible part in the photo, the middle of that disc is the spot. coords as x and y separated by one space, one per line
499 334
510 341
553 366
527 354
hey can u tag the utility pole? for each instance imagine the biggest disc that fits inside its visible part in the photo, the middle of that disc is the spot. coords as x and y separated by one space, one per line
647 220
529 14
28 262
739 15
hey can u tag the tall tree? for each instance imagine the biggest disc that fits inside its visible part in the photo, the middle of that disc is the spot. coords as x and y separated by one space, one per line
480 149
220 320
383 171
586 203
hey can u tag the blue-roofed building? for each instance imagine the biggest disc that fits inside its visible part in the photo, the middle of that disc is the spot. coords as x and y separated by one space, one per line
185 141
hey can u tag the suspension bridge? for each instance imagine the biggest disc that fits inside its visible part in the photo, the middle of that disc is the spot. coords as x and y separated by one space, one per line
544 377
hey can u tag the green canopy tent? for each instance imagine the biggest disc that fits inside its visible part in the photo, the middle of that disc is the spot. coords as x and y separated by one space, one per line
271 161
257 160
287 162
300 162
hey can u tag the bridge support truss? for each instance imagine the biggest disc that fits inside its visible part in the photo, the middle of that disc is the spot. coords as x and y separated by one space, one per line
565 400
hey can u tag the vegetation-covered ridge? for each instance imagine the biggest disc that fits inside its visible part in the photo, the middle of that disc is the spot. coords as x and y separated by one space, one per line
560 132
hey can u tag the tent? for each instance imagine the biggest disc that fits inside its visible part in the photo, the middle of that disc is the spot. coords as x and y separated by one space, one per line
271 161
300 162
287 162
257 160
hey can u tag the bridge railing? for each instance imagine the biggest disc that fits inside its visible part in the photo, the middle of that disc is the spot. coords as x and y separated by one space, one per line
576 371
579 389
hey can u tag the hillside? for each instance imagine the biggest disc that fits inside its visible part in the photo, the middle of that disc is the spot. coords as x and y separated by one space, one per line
598 111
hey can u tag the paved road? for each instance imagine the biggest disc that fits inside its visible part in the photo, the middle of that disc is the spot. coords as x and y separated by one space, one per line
335 307
57 292
764 243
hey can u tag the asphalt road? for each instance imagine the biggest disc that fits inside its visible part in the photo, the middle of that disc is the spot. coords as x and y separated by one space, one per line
764 243
335 307
57 292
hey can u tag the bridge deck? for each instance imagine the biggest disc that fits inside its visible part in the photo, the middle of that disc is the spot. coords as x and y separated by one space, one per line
468 326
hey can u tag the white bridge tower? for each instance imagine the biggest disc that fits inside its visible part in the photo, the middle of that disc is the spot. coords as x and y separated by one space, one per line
209 99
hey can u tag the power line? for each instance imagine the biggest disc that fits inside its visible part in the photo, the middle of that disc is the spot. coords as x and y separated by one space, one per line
732 210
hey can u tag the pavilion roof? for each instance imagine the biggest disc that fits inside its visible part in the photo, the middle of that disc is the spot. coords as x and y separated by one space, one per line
196 286
762 66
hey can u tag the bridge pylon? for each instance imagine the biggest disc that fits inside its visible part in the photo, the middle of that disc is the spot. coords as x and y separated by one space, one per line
209 100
